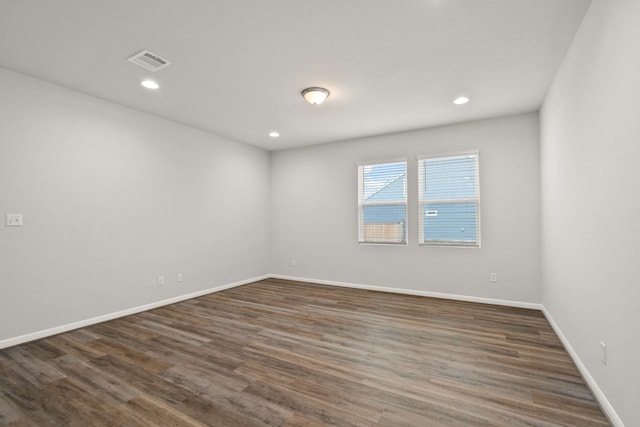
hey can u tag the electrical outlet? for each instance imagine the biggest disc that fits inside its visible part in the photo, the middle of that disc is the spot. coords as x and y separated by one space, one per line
493 277
179 278
603 353
13 220
160 280
293 262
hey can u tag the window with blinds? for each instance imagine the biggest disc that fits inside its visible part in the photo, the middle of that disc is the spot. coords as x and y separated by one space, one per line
382 202
449 200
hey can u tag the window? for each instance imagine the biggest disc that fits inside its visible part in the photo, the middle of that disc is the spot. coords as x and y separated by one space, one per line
382 202
449 200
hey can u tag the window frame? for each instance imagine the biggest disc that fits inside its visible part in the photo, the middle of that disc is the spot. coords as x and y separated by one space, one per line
423 201
362 203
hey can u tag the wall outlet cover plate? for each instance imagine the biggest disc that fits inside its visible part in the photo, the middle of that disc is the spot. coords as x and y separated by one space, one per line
13 220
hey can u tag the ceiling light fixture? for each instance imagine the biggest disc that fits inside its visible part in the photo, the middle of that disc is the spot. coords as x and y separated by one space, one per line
274 134
150 84
461 100
315 95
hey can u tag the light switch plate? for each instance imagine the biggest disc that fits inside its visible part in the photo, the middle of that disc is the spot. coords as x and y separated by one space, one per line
13 220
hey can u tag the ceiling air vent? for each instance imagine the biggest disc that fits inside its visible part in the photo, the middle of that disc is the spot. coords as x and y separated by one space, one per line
150 61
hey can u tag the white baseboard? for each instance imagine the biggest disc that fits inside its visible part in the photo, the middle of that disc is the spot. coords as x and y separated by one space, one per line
10 342
599 395
456 297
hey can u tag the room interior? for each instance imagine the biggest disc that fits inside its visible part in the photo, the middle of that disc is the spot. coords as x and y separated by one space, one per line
117 185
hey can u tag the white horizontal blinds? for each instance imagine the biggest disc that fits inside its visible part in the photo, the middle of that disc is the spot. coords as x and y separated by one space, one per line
382 202
449 200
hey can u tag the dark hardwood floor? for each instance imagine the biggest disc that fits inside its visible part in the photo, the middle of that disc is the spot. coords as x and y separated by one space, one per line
295 354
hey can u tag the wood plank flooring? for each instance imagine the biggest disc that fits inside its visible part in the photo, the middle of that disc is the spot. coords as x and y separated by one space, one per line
296 354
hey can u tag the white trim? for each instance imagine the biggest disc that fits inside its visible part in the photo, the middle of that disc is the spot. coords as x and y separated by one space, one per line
456 297
608 410
591 383
10 342
405 243
394 203
422 202
362 203
443 244
450 201
383 161
474 152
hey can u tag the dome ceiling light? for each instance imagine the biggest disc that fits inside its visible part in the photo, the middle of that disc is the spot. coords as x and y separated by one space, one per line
315 95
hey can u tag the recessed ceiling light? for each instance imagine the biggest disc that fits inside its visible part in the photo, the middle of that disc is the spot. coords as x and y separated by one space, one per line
274 134
461 100
150 84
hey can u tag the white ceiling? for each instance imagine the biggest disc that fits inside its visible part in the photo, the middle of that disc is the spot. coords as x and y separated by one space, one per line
239 65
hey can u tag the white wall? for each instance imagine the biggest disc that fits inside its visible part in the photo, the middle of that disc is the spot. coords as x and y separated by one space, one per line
112 198
314 211
590 156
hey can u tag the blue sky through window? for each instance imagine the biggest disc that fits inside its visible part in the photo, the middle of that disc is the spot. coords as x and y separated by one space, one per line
385 182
